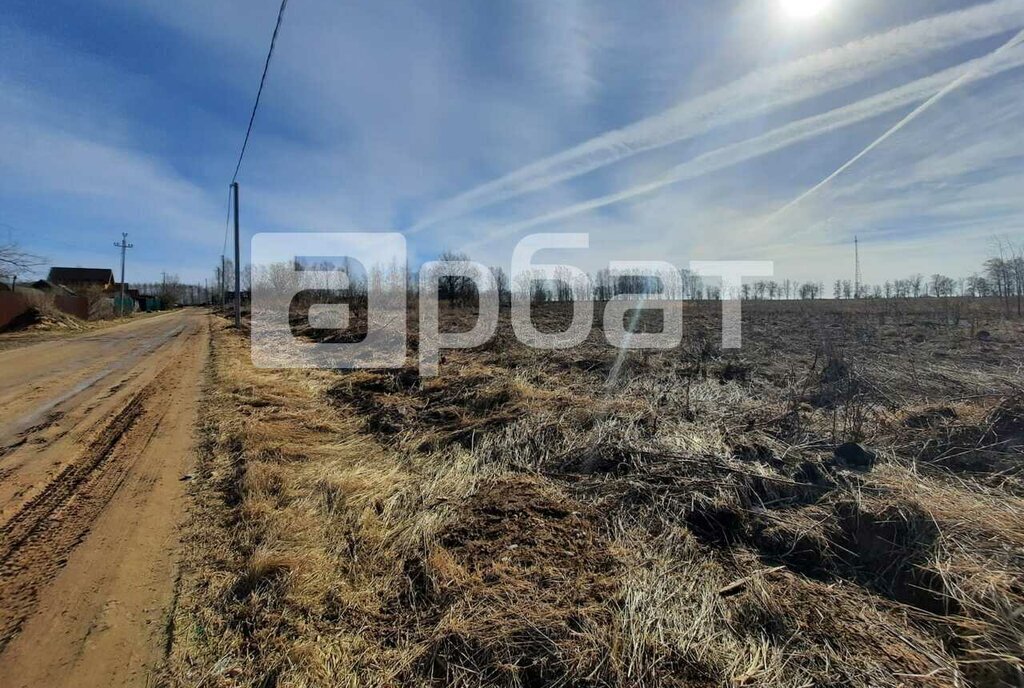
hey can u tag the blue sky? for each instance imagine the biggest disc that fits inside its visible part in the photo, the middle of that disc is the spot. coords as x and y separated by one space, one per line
669 131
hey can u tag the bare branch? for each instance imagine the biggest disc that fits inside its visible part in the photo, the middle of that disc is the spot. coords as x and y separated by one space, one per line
14 260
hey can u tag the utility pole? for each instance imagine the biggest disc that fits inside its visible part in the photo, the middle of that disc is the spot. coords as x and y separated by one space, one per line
223 266
238 274
856 268
124 246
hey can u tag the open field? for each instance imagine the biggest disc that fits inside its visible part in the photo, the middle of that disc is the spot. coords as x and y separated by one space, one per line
689 517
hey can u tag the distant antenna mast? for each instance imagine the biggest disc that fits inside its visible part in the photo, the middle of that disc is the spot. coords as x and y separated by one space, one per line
856 268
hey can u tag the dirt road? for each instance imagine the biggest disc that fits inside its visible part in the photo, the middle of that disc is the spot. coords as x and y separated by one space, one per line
96 443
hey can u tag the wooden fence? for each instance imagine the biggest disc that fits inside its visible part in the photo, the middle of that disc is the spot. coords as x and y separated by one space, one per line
15 303
12 304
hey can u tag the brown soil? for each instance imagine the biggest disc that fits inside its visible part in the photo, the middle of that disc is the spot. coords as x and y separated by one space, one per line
98 437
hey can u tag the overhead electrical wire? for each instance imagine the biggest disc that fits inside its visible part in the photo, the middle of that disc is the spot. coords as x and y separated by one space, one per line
259 92
252 119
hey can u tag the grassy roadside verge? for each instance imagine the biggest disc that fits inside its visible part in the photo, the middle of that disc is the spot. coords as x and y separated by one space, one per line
315 556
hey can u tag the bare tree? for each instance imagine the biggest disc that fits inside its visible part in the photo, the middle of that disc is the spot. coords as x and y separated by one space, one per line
1016 269
14 261
943 285
455 288
170 291
915 282
501 284
999 275
603 287
810 290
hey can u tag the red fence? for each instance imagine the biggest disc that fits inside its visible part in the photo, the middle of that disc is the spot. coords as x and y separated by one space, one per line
12 304
77 306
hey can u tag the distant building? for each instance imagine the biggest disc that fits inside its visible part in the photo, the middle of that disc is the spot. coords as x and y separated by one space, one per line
148 302
128 291
50 287
82 278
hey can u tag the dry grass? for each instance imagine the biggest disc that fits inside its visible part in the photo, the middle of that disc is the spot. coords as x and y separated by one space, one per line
674 519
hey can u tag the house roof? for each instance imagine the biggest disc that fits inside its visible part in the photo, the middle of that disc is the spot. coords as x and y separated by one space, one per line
81 276
47 285
129 291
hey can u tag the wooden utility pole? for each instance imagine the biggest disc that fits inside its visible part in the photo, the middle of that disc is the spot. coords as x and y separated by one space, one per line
124 246
223 266
238 274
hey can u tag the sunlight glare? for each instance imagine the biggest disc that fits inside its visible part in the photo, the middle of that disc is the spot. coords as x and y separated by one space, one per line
803 9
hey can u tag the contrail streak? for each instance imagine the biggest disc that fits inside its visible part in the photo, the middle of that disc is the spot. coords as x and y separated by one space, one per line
758 93
951 86
777 139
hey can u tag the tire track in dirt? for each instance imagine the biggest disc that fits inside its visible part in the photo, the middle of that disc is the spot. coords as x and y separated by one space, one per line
36 541
42 416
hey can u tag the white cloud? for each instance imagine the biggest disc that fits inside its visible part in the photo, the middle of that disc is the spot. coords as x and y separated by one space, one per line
120 184
781 137
760 92
568 37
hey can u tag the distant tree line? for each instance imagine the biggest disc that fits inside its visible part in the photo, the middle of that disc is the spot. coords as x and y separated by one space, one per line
1001 276
169 291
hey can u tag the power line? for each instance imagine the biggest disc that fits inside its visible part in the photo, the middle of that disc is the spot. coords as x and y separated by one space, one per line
233 187
259 92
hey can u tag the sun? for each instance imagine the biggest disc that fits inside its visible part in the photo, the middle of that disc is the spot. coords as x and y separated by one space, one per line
803 9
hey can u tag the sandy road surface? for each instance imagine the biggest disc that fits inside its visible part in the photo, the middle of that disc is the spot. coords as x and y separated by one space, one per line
96 434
